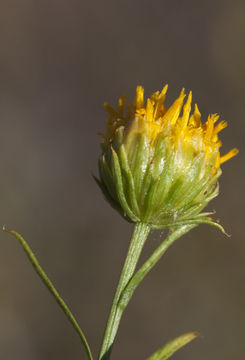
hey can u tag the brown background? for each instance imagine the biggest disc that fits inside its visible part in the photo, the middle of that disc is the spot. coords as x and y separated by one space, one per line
60 60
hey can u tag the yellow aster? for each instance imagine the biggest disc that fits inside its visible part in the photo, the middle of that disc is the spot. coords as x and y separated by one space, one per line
156 119
160 165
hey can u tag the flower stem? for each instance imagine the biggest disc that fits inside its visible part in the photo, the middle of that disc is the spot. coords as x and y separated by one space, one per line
139 236
52 289
149 264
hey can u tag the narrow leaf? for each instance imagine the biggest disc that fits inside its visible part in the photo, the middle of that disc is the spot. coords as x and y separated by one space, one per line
51 289
172 346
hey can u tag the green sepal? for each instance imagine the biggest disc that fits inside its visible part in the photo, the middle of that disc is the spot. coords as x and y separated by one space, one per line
175 192
159 157
187 201
159 189
118 138
131 143
129 184
107 195
153 171
195 221
213 189
191 210
201 186
138 152
146 183
172 346
184 184
117 177
195 195
106 177
141 161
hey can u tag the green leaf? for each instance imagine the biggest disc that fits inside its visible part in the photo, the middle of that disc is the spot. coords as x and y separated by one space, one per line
47 282
172 346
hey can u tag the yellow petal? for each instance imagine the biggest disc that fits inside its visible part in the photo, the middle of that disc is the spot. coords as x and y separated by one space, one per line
173 112
186 111
139 97
209 125
159 103
195 119
221 125
149 110
229 155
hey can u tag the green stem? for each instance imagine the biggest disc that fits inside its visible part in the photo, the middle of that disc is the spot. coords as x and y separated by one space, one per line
139 236
148 265
52 289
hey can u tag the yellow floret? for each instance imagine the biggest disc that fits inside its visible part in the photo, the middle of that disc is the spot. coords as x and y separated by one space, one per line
182 129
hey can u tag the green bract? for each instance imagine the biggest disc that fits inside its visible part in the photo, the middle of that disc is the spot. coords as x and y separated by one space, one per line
155 184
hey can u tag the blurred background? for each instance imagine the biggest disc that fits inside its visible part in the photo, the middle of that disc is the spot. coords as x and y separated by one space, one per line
60 60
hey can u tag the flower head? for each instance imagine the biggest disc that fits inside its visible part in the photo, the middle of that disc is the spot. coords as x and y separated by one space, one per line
159 165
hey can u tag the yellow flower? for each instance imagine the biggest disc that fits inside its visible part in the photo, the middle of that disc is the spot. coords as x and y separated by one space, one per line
159 165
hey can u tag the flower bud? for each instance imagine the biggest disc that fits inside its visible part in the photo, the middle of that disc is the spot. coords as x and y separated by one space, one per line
160 166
